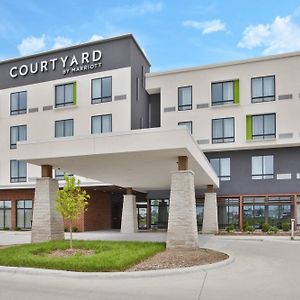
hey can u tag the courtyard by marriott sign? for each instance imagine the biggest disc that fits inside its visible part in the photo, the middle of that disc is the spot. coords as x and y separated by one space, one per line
70 64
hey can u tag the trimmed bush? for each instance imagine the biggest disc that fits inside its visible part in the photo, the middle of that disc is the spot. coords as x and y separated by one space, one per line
286 226
273 229
265 227
75 229
250 228
66 229
230 228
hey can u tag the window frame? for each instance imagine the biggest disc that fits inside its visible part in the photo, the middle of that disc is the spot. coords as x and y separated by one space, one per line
14 146
222 102
64 129
182 123
264 135
222 177
4 209
18 111
185 105
24 215
223 138
263 175
64 104
101 123
18 178
263 97
100 99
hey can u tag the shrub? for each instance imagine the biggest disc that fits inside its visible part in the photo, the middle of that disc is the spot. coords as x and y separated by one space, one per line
273 229
6 228
286 226
18 229
250 228
246 225
230 228
265 227
75 229
66 229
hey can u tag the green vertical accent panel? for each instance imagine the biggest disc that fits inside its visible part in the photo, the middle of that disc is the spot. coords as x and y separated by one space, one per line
75 93
248 128
236 91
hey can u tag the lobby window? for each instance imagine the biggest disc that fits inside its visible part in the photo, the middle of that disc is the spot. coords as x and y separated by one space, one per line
223 130
18 171
254 211
64 128
263 89
263 167
24 214
59 174
225 92
221 167
261 127
5 214
228 212
102 90
101 124
159 213
17 133
65 94
188 125
184 98
18 103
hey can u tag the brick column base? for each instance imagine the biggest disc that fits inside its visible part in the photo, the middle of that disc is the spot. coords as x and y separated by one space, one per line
210 214
182 223
129 215
47 223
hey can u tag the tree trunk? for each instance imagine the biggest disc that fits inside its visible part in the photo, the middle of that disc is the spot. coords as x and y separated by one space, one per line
71 242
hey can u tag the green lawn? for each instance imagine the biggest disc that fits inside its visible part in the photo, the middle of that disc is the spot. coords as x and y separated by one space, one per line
109 255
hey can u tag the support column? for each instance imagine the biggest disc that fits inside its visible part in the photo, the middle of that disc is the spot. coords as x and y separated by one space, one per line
182 224
129 213
210 213
47 223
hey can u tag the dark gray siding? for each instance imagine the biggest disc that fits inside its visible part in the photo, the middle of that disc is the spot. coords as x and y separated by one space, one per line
154 110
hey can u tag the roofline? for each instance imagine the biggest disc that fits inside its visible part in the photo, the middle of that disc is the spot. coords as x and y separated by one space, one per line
225 64
52 51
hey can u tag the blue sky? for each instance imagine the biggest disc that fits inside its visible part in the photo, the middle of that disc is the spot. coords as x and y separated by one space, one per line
173 34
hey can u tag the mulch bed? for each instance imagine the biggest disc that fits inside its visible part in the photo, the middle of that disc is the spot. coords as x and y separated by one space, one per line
170 259
71 252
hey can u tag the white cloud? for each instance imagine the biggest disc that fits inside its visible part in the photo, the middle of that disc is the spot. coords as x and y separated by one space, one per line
61 42
95 37
32 44
282 35
206 27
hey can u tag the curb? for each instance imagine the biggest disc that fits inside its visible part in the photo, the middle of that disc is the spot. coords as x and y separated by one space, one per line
117 275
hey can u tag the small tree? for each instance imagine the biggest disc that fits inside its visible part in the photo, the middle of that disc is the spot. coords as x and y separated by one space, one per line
71 201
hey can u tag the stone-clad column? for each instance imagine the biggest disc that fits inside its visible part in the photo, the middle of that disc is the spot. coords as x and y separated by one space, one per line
210 213
129 213
47 223
182 223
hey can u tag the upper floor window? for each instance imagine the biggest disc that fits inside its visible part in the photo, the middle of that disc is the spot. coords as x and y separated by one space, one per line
101 124
263 167
101 90
263 126
64 128
17 133
18 103
225 92
60 174
223 130
263 89
18 171
221 167
185 98
65 94
188 125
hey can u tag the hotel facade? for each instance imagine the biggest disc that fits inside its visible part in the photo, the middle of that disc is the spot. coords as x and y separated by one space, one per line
242 115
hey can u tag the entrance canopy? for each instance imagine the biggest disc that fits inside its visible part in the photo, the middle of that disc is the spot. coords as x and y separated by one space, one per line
141 159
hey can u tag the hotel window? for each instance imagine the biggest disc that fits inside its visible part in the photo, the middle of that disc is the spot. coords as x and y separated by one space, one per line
221 167
65 94
228 212
137 89
24 214
223 130
18 103
188 125
101 124
101 90
263 167
18 171
17 133
60 174
225 92
64 128
5 214
185 98
263 89
261 127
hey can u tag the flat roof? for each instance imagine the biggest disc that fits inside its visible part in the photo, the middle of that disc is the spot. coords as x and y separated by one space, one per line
52 51
224 64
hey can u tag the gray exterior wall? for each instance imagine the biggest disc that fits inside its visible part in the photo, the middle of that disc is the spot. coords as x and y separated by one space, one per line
286 160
